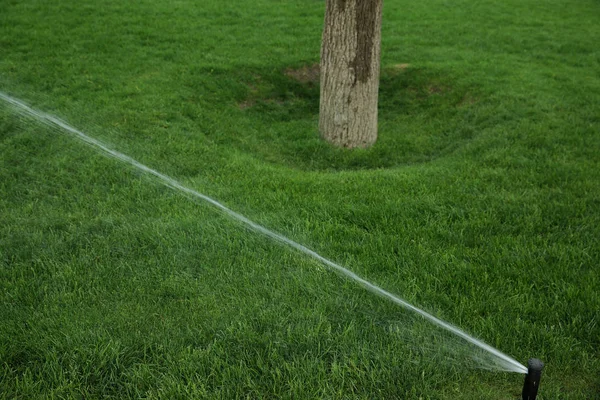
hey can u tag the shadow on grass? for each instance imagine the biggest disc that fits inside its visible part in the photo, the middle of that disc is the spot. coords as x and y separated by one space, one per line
273 115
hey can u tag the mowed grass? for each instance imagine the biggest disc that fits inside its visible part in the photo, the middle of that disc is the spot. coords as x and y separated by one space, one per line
480 202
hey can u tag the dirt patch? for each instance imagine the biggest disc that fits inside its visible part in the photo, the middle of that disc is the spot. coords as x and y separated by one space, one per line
401 66
467 100
252 93
436 89
396 69
246 104
305 74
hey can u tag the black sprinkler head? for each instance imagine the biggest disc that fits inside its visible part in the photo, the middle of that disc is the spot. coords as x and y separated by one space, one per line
532 379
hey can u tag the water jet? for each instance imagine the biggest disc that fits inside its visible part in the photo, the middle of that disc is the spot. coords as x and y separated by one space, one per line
494 359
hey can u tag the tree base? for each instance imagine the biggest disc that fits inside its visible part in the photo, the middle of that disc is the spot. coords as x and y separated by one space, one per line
350 58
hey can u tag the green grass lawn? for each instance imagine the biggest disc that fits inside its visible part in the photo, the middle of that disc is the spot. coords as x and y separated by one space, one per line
480 202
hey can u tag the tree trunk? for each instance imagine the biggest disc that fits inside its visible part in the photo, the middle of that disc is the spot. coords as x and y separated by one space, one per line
350 55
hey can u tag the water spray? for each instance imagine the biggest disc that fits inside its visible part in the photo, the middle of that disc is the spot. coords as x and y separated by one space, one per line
532 379
497 361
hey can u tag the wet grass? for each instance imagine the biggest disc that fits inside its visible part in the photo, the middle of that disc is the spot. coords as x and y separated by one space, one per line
480 202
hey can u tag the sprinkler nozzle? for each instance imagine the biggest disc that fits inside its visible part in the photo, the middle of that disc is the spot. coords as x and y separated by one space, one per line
532 379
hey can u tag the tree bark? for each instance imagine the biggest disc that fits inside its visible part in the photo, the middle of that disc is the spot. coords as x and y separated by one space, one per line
350 58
